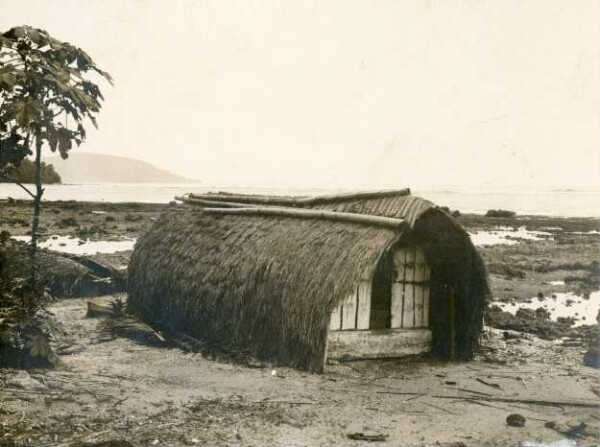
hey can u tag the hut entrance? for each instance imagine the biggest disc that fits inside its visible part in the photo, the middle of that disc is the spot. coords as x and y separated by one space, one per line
396 298
400 296
387 316
410 289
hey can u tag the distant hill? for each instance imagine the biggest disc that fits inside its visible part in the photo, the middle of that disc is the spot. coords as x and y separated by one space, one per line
99 168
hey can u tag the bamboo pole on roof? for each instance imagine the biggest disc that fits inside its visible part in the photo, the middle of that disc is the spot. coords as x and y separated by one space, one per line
212 203
299 201
335 216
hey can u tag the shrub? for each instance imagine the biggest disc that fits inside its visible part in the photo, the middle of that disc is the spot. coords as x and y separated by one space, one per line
68 222
133 217
500 213
25 330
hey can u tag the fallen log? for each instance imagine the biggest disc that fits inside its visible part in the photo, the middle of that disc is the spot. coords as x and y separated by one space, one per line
96 310
335 216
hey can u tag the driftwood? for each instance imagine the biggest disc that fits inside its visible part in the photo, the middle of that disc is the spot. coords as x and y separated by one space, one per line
490 384
97 268
300 201
369 437
132 328
549 403
96 310
363 219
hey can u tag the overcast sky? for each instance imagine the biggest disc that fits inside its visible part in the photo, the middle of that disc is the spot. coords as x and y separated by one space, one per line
342 93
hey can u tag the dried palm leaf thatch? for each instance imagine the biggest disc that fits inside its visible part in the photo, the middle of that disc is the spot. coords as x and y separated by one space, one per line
263 284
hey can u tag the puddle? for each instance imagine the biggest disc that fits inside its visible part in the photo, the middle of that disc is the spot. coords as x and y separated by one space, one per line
73 245
506 236
578 308
557 283
560 443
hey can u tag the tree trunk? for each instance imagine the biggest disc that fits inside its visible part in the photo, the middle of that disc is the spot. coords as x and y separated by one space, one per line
37 202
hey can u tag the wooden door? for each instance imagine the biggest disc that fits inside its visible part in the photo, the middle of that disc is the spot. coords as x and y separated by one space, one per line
410 288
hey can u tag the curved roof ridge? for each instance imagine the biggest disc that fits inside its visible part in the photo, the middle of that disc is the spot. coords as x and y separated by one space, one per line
397 203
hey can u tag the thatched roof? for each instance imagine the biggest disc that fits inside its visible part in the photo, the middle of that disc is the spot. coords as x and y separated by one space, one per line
267 284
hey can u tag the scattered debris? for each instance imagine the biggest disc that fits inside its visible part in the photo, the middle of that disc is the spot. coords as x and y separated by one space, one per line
515 420
96 310
490 384
571 432
24 381
592 357
367 436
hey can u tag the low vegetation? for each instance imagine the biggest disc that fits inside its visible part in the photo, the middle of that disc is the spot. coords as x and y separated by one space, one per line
25 330
47 95
25 173
500 213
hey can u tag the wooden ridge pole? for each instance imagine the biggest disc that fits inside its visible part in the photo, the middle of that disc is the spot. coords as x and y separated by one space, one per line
363 219
212 203
299 201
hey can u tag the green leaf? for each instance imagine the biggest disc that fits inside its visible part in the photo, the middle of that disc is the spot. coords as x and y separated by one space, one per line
51 138
7 79
38 346
26 111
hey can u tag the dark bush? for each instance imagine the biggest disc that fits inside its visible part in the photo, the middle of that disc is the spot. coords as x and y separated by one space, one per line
500 213
509 272
68 222
133 217
25 330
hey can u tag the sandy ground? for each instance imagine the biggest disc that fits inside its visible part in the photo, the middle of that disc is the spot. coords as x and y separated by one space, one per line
113 388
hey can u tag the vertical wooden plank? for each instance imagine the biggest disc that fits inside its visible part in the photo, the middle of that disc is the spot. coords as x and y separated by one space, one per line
364 305
335 323
427 277
409 265
408 313
396 305
349 311
399 262
419 305
426 306
420 265
452 302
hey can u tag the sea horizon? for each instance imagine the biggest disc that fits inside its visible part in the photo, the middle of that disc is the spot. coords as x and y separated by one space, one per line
552 200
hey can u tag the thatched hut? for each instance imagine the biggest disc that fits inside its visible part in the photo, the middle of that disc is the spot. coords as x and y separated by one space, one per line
300 280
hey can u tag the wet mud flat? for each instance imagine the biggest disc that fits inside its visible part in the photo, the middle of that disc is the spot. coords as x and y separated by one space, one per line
110 387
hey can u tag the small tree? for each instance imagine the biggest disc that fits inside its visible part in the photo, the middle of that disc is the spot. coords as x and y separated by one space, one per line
46 94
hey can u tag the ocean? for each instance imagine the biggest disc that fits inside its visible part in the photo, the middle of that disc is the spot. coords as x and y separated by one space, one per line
561 202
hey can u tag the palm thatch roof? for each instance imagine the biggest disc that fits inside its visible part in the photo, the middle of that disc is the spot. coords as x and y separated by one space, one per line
266 282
